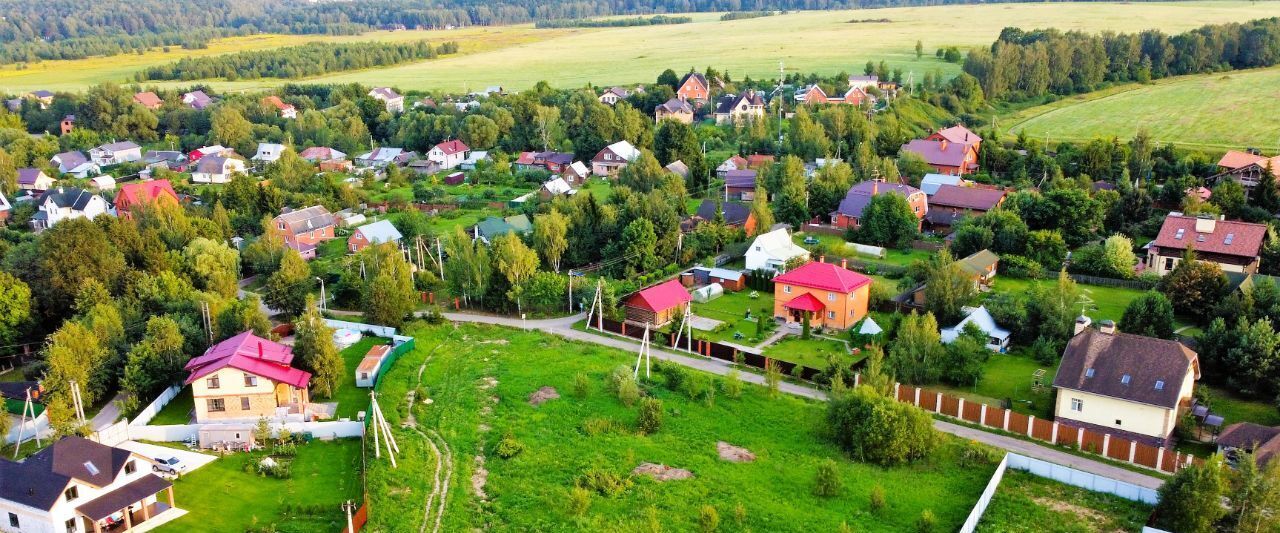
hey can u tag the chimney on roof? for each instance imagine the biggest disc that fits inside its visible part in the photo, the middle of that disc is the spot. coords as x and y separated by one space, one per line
1082 323
844 263
1107 326
944 145
259 349
822 259
1206 224
875 187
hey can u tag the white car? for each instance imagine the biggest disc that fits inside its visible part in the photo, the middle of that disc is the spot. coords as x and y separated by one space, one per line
172 465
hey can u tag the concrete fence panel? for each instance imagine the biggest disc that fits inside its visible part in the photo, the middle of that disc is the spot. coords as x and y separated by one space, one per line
1082 479
149 412
984 500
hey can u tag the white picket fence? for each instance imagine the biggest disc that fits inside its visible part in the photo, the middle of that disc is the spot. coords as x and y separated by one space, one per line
1063 474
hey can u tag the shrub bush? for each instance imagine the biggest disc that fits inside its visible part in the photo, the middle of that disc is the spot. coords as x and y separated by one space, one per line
618 375
604 482
674 373
827 482
581 385
629 391
877 498
927 523
579 501
649 420
732 385
508 446
708 519
598 425
1016 266
880 430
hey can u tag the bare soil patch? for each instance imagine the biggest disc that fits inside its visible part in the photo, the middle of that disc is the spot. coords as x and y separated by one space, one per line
543 395
734 454
661 473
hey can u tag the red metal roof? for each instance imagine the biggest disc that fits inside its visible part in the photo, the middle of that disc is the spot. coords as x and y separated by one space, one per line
252 354
1234 159
146 191
806 302
825 276
452 147
959 134
1245 237
660 297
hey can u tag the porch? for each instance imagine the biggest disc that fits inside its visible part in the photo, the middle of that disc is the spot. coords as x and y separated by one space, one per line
137 506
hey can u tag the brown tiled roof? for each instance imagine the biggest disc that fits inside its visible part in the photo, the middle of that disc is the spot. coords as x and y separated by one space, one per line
939 153
966 198
1112 356
1262 440
1245 237
148 99
1234 159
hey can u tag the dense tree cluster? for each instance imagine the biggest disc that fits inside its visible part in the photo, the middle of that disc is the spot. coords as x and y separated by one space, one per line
1027 64
655 20
312 59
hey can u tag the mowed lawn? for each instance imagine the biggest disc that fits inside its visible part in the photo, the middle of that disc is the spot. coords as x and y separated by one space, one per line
1209 110
813 352
1011 377
222 496
530 492
1032 504
732 308
352 399
517 57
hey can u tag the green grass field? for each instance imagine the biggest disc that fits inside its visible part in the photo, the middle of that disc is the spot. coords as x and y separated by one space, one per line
352 399
1102 302
812 353
1032 504
1213 112
1009 376
222 496
732 307
517 57
529 492
177 411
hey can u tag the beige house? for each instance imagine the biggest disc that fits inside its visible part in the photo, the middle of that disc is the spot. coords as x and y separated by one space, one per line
245 378
1127 385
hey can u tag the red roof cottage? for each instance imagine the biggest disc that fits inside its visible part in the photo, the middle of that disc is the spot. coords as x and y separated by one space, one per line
246 378
832 296
132 195
957 134
657 305
1232 245
951 202
449 154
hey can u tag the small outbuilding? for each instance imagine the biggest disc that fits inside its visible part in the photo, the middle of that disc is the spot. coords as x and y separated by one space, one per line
730 280
997 337
367 372
656 305
226 436
707 293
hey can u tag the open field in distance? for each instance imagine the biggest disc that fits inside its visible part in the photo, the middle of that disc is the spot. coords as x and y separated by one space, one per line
517 57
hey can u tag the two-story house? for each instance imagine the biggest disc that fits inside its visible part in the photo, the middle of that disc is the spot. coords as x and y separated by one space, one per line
392 100
945 156
217 169
79 486
75 164
1233 245
694 87
304 229
737 109
849 212
380 232
448 154
116 153
1129 385
34 179
830 296
245 378
132 196
63 203
674 109
613 158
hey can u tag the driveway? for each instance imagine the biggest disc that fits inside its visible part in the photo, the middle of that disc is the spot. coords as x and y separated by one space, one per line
192 459
564 328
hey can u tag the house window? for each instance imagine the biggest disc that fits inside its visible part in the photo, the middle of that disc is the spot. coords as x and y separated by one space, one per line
1124 379
786 289
71 493
212 382
244 403
250 380
217 405
1077 404
1089 372
831 296
71 526
364 375
1168 263
13 520
1117 421
831 315
130 467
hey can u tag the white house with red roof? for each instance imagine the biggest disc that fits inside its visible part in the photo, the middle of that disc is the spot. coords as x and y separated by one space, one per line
1233 245
658 305
245 378
449 154
830 296
1247 168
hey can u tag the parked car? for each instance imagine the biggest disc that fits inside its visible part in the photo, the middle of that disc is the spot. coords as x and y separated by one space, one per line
172 465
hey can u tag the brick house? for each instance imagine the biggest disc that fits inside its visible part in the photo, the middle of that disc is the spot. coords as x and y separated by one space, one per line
831 296
957 134
737 109
304 229
850 209
674 109
945 156
694 87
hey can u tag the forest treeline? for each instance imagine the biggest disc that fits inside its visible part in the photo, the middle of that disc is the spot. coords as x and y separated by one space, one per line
655 20
1028 64
292 62
74 29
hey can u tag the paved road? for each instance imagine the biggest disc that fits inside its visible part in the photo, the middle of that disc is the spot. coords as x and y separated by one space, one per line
109 413
564 328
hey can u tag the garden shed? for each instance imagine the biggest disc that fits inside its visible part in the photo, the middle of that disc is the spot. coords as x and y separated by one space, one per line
656 305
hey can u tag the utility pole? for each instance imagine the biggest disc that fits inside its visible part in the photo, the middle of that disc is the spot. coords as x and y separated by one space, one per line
322 295
348 506
645 355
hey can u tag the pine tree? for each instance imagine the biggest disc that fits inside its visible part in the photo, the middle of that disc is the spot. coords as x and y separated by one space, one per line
1266 195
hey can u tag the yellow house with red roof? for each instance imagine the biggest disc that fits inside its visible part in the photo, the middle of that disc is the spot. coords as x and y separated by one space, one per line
832 296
